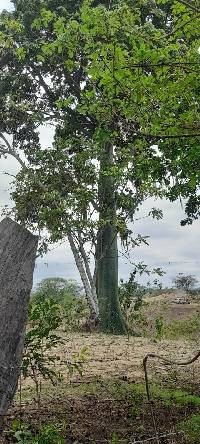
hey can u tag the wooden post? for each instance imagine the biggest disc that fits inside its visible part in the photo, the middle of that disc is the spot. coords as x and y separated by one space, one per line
17 260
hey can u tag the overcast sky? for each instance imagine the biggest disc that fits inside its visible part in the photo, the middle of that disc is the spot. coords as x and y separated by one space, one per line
172 247
5 4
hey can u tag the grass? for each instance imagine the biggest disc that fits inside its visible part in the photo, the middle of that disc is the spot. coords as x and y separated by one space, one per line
191 429
186 328
122 413
115 389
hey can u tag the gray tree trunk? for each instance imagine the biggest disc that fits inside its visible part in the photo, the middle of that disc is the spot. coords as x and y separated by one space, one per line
17 259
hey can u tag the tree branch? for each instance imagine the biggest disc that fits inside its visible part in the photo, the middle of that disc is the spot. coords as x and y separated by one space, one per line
52 98
10 150
167 136
182 25
192 7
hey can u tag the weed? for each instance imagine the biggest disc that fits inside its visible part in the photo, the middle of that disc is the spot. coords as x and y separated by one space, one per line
159 326
187 328
47 434
191 428
114 439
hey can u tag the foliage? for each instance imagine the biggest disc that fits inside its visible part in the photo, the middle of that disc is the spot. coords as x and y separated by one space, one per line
185 282
75 313
159 327
188 328
68 294
58 289
78 362
130 292
118 83
47 434
191 428
131 296
38 360
42 338
114 438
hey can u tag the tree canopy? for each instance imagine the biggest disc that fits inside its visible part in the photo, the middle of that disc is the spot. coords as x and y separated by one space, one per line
119 83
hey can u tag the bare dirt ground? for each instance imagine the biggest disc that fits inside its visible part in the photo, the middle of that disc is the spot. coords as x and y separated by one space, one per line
122 357
105 399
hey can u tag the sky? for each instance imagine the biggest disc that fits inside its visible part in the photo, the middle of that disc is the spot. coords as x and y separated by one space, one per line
172 247
5 4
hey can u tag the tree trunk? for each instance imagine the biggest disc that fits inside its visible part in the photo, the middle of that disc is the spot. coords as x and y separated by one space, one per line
17 259
111 319
86 284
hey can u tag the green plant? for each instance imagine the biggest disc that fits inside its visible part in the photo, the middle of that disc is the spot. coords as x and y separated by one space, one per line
114 438
47 434
159 327
40 357
69 295
191 428
21 432
75 313
131 298
58 289
78 362
187 328
38 360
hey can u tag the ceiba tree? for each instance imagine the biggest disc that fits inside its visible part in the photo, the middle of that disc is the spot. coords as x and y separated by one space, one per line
117 81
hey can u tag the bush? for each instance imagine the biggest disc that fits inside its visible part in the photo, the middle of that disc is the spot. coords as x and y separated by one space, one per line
69 295
41 338
131 302
75 313
159 327
58 289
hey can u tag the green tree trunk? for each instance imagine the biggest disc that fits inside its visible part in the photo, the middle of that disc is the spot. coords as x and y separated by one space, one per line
111 319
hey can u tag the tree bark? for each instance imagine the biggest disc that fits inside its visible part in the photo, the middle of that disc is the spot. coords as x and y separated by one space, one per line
111 319
84 278
17 259
87 269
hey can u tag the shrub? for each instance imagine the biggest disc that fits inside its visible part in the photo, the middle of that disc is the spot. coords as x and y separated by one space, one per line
44 320
68 294
42 338
58 289
131 301
159 327
75 313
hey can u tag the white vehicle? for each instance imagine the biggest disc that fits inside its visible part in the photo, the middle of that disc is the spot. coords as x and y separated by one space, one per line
179 301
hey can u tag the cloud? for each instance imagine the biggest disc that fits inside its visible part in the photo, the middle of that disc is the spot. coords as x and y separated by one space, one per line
6 4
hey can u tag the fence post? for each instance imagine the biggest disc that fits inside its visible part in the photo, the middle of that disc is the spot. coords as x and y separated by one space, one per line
17 260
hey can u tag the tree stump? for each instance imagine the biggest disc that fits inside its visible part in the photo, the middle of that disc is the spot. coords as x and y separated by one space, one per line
17 260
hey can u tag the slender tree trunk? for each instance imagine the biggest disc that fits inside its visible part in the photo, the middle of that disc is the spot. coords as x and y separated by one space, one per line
111 319
86 284
87 269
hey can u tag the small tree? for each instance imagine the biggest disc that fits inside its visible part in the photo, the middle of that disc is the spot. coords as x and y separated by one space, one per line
58 289
185 282
41 358
68 294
